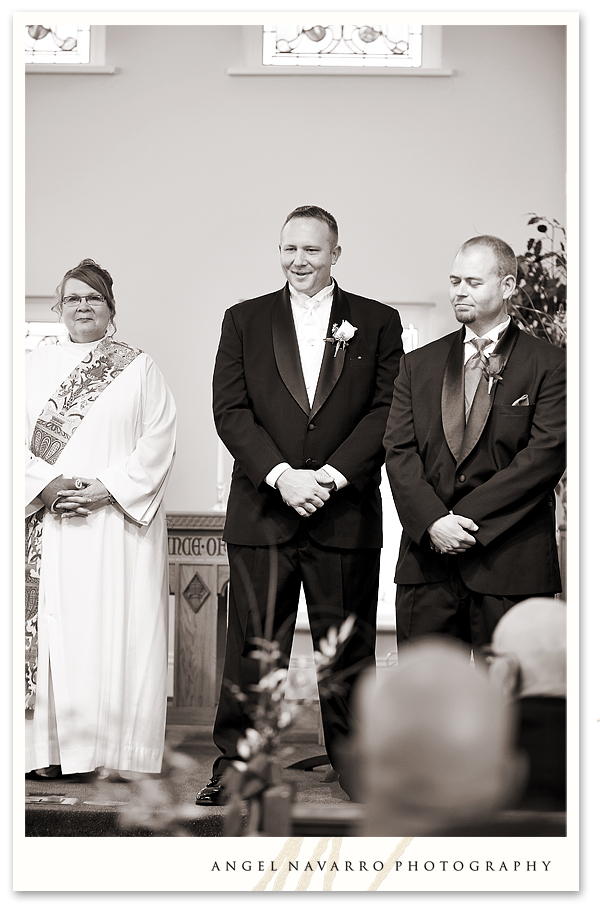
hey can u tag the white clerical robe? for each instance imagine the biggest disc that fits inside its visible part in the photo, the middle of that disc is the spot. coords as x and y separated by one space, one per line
102 649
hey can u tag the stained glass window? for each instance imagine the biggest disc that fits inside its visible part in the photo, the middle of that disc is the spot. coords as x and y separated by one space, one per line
58 44
342 45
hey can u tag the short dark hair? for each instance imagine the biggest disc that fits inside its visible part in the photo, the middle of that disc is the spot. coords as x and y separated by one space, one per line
94 275
506 261
319 214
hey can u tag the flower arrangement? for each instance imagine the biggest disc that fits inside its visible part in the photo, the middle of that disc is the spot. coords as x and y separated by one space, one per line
539 304
255 778
259 801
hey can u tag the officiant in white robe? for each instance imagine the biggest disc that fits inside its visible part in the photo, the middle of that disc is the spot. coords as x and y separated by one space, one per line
97 698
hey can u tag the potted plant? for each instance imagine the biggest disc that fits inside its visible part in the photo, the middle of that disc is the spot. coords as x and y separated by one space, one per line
539 306
255 781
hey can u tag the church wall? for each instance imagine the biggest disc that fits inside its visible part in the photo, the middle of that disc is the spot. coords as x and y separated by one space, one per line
176 177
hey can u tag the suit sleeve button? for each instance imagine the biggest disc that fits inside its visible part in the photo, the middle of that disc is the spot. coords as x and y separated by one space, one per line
461 478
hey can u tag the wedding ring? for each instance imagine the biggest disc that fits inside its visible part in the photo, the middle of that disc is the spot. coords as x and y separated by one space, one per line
79 483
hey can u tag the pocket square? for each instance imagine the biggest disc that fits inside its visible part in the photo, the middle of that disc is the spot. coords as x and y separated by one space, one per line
523 400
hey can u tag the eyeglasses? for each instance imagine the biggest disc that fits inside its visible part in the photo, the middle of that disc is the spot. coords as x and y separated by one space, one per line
75 300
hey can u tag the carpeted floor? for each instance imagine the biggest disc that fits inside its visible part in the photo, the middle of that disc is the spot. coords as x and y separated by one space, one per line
161 805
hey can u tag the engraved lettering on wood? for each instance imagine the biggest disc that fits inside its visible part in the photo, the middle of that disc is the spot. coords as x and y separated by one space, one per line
197 545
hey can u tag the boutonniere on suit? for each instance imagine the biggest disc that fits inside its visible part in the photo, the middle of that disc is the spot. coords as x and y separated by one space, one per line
492 368
342 335
277 424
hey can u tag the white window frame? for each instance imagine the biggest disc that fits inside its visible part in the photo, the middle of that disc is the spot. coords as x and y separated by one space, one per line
97 64
431 60
273 57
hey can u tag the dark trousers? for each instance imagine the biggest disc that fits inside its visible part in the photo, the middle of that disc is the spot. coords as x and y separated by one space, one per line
449 608
336 583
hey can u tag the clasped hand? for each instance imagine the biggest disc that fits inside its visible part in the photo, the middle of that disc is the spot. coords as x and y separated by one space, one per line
304 491
450 534
68 501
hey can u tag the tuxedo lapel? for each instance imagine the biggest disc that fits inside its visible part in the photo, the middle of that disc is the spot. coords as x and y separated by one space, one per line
453 396
483 400
285 346
332 364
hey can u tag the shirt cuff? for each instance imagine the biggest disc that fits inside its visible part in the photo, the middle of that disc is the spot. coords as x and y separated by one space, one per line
275 473
338 478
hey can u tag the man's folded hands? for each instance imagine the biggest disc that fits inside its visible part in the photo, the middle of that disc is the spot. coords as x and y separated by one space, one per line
304 491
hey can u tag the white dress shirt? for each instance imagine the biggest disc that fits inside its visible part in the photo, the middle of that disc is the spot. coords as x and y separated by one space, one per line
493 334
311 321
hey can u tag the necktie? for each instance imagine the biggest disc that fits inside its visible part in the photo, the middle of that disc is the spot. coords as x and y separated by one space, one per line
309 313
473 371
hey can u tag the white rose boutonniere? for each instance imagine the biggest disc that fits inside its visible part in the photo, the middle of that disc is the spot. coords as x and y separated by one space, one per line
342 335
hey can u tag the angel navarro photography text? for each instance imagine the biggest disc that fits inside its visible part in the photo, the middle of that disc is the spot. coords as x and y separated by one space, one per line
440 865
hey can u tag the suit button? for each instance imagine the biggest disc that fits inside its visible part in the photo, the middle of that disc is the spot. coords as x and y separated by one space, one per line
311 426
461 478
308 462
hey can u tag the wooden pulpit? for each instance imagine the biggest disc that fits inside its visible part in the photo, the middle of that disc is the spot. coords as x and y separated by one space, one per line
199 580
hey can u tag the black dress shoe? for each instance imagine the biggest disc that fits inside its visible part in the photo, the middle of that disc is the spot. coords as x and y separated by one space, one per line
214 794
52 772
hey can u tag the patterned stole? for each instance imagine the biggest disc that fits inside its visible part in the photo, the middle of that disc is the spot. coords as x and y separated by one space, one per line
60 418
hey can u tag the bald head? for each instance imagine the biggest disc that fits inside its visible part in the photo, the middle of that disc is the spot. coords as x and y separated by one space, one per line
435 739
506 261
530 648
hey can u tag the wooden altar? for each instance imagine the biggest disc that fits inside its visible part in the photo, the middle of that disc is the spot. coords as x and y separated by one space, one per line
199 580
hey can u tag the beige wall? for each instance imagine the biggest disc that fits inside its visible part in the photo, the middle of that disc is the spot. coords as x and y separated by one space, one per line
176 177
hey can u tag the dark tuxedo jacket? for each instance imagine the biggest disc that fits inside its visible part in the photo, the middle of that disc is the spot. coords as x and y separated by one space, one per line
263 417
500 470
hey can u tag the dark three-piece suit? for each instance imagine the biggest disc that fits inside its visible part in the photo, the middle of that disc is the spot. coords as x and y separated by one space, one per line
264 418
499 470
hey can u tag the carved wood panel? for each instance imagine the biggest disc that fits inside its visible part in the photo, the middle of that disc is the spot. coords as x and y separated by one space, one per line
196 636
199 578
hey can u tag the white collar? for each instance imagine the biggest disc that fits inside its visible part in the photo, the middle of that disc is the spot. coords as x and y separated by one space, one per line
306 301
493 334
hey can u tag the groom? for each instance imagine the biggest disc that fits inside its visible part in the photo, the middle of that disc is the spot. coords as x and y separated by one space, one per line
302 388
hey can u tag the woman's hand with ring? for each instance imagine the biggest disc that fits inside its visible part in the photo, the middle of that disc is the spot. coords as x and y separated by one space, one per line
54 489
83 501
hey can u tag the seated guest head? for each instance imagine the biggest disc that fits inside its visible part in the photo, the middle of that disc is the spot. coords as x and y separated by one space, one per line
434 742
529 649
528 664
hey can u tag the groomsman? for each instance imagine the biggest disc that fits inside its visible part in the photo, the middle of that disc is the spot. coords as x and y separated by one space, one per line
475 446
302 388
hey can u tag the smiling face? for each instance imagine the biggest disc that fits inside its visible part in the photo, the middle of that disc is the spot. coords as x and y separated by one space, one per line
478 293
85 320
307 254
